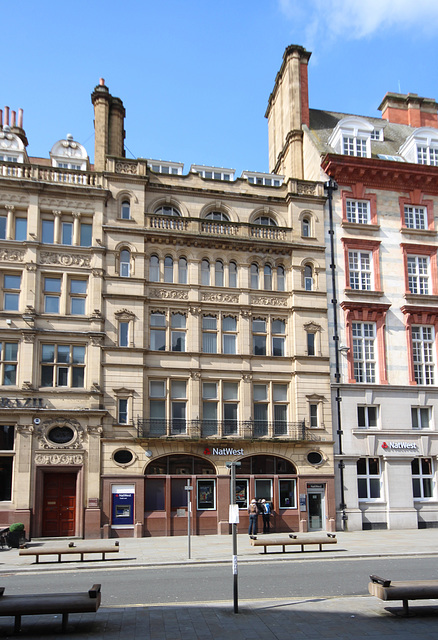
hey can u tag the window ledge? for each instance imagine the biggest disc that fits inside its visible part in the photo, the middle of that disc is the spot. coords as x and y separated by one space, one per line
419 232
358 226
356 293
419 298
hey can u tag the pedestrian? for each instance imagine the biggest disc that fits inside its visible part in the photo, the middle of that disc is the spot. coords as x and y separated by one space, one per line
266 515
253 513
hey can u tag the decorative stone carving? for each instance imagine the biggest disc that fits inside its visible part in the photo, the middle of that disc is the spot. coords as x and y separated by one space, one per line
97 273
195 311
195 375
25 429
312 327
59 458
96 339
269 301
31 266
27 386
126 167
95 430
28 336
65 259
66 205
11 255
172 294
246 313
247 377
220 297
306 188
43 430
124 314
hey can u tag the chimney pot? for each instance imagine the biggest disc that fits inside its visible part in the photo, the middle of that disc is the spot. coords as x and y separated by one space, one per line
7 115
102 82
13 118
20 118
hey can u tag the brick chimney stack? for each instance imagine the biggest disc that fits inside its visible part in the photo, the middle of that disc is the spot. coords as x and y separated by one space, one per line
16 126
109 133
409 109
288 110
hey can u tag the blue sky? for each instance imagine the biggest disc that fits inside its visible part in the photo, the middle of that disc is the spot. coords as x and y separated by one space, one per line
195 76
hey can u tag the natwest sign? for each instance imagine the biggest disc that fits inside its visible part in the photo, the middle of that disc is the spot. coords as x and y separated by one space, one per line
399 445
224 451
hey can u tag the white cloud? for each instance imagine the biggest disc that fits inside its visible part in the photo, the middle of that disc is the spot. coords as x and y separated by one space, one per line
356 19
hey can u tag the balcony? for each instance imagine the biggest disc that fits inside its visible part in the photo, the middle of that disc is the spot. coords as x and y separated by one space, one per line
246 430
38 173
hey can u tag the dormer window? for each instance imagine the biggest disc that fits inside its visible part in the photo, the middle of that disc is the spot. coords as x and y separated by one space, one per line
68 154
11 146
421 147
213 173
352 137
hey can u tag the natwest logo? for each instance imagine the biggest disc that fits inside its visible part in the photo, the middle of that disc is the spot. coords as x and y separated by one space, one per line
399 445
225 451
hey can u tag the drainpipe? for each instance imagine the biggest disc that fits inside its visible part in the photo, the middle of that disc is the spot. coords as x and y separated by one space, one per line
331 186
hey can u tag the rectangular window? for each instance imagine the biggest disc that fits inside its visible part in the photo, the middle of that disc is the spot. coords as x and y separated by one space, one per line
67 233
415 217
78 297
11 292
178 406
364 334
422 478
123 334
279 397
263 489
259 336
278 337
310 344
422 352
9 363
52 294
420 417
209 334
242 493
47 231
85 234
359 263
358 211
206 494
3 226
260 392
155 494
287 494
6 437
6 463
178 332
368 478
367 416
418 274
209 408
158 332
229 334
230 407
123 411
21 229
62 365
313 410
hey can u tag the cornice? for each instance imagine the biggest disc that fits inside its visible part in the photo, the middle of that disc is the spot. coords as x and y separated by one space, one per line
382 174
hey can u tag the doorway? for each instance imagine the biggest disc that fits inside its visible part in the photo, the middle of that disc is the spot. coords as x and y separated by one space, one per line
59 505
316 506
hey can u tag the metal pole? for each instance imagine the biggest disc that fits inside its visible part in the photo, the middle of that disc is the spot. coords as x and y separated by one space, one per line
234 530
188 488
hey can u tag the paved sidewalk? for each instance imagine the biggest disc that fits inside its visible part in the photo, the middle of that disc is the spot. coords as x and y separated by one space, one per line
307 618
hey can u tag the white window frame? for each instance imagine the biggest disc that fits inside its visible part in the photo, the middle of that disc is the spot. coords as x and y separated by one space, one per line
415 217
423 354
421 478
369 478
421 417
369 421
364 351
360 266
418 268
358 211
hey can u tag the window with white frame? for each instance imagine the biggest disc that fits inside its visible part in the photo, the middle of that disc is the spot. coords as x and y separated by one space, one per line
78 296
418 274
308 277
124 333
427 155
52 294
11 291
62 365
229 334
415 217
125 210
287 493
313 415
358 211
209 334
354 146
182 270
368 479
367 416
360 269
8 363
122 411
423 339
305 227
423 484
158 331
178 324
421 417
168 398
259 336
278 329
125 263
364 360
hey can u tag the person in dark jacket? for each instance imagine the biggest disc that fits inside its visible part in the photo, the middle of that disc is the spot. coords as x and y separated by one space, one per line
266 515
253 513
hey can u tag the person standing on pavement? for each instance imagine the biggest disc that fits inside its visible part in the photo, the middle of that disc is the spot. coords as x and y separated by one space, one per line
266 515
253 513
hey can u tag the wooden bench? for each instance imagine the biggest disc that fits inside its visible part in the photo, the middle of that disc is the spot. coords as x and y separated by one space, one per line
405 591
102 547
54 603
292 539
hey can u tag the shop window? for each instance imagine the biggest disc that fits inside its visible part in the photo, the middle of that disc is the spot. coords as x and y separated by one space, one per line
421 417
422 478
6 437
242 493
11 292
62 365
178 494
368 478
367 416
266 465
263 489
287 494
155 494
6 464
206 494
8 363
180 464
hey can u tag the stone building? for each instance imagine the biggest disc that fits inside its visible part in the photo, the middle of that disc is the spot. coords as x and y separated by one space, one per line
155 325
382 290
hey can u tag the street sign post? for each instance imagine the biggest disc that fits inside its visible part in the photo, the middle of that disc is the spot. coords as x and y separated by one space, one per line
188 488
233 520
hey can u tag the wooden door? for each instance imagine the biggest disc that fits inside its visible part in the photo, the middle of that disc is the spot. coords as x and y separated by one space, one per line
59 504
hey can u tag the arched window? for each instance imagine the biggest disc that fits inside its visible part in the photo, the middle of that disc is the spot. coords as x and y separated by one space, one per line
125 210
280 279
217 215
205 272
265 220
305 227
125 263
182 271
232 274
219 273
267 277
154 269
308 277
254 276
168 269
167 210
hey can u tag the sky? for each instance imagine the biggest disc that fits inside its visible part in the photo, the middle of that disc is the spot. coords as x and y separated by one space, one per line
195 76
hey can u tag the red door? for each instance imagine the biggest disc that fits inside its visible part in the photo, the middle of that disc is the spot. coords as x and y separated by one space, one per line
59 504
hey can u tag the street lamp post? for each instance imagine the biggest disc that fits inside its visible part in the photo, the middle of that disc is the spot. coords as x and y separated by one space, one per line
188 488
234 519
